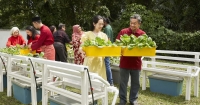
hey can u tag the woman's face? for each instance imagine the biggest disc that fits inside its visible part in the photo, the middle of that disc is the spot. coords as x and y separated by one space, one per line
79 29
99 25
29 33
16 33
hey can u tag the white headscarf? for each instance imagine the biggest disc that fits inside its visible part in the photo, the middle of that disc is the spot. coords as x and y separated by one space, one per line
13 30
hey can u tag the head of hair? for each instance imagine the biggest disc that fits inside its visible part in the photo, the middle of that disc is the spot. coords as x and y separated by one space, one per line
95 20
106 20
36 19
136 16
60 26
75 28
33 31
13 30
52 28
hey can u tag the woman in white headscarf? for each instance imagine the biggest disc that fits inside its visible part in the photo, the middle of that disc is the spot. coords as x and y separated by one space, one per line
15 38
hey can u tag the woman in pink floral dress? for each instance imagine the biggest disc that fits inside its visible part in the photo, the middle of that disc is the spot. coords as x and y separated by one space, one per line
76 36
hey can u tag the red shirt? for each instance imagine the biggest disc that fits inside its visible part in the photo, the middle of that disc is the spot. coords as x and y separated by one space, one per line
131 63
34 40
15 40
46 38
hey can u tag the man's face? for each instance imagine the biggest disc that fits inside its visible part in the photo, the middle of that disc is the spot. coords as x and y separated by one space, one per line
35 24
134 24
63 28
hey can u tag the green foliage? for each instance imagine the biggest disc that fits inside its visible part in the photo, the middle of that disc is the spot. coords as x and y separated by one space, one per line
150 20
169 40
180 15
133 41
52 12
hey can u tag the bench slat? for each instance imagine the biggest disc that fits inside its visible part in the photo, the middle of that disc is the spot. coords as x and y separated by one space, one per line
176 58
167 64
168 71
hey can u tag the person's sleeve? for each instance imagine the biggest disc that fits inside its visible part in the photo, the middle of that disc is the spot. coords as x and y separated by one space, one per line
143 32
66 38
107 32
119 35
37 37
84 37
40 41
73 37
8 42
28 42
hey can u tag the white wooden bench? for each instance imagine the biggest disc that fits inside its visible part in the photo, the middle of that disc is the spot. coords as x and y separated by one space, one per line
74 76
24 74
187 71
2 69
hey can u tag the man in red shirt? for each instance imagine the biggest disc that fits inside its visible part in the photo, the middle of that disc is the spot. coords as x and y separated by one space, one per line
130 65
45 42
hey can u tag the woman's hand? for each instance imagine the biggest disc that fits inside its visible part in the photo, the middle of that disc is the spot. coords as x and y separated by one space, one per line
70 43
29 45
22 46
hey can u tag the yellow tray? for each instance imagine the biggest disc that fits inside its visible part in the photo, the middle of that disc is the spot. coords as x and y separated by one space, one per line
139 51
26 51
104 51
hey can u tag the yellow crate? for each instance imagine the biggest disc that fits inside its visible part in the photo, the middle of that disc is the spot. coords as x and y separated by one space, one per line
26 51
104 51
139 51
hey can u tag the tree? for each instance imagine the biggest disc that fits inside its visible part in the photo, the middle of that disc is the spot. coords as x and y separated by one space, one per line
150 20
180 15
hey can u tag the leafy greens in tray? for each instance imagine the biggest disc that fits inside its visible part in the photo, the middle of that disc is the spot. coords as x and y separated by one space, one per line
133 41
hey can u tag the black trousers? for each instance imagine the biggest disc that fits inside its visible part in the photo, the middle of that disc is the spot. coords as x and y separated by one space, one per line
61 52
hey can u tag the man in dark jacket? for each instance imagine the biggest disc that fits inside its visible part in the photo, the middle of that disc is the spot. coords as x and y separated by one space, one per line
60 39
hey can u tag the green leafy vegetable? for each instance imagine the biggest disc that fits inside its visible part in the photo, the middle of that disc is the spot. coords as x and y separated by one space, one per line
11 50
98 42
133 41
41 55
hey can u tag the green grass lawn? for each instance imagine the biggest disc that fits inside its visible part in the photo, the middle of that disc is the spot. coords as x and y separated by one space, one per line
145 98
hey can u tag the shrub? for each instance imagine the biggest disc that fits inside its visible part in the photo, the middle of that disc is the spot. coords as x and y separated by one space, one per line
169 40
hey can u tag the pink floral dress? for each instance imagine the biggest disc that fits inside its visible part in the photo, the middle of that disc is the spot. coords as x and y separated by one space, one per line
76 37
